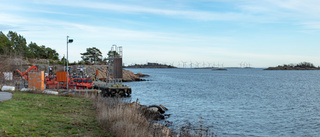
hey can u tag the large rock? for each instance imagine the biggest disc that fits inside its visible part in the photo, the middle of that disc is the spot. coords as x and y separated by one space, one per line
130 76
127 75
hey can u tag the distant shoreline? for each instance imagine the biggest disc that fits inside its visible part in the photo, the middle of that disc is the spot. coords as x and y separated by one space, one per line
300 66
149 65
288 68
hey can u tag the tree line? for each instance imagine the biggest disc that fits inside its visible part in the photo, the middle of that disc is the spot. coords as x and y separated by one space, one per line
16 45
299 65
94 56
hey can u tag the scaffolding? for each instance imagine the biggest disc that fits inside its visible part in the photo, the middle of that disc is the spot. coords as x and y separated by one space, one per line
114 60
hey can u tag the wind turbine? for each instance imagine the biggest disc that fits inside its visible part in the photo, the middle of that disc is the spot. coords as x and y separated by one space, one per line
249 65
171 63
184 64
209 65
197 64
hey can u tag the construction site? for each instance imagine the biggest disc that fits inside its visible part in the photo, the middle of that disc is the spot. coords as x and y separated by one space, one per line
38 74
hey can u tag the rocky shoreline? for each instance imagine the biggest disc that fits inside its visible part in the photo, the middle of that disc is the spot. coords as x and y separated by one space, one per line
290 68
300 66
129 76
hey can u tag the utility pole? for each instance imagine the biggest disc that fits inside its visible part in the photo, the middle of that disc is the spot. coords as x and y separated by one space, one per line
68 41
64 63
95 66
48 69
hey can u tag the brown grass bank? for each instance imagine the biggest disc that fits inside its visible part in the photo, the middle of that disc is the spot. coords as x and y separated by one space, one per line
125 119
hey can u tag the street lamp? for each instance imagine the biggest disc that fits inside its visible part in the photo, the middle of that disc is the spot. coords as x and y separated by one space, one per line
68 41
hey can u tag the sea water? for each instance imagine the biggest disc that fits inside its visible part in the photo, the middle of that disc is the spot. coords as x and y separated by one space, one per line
236 102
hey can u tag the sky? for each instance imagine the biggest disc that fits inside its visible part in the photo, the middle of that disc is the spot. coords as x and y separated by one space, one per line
226 33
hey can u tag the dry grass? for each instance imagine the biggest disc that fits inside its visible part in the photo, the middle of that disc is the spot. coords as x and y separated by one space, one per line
118 117
190 130
123 120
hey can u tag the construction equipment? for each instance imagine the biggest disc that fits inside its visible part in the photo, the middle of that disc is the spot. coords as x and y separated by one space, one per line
114 84
51 82
25 74
74 82
81 83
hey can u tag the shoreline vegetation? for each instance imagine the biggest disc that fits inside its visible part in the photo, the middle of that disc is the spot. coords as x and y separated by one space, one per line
35 114
300 66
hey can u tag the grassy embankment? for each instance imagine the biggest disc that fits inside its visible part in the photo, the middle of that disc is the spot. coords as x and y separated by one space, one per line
29 114
46 115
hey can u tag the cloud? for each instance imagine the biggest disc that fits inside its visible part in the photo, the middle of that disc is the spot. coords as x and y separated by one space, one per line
11 19
134 9
48 26
311 25
304 14
6 27
262 11
53 34
310 6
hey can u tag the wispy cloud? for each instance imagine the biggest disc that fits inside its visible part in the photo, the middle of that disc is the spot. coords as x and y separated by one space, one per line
311 6
289 11
178 30
264 11
312 25
11 19
54 31
135 9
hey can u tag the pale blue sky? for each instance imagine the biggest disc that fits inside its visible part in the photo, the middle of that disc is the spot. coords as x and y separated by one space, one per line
260 32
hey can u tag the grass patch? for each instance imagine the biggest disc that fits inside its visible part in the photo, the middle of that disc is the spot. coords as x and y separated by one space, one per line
29 114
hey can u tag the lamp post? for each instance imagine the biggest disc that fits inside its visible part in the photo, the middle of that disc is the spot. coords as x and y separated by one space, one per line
68 41
64 62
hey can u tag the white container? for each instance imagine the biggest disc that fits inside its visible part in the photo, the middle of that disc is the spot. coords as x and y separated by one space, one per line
26 89
8 88
50 92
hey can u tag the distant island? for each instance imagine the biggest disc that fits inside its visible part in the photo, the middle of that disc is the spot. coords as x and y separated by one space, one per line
150 65
300 66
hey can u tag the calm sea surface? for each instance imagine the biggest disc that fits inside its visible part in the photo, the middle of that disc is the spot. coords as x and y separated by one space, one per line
237 102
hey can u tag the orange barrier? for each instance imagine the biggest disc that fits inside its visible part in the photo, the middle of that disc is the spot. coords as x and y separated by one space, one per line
36 80
62 76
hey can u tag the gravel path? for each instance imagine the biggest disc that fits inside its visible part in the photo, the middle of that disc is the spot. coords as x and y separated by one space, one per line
5 96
